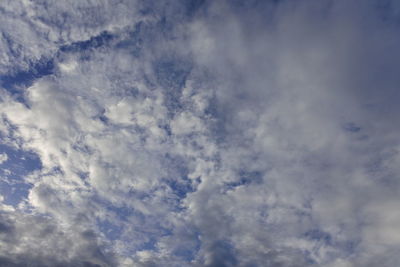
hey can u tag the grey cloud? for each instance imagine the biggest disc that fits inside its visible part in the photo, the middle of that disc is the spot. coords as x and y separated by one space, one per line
289 83
207 134
34 240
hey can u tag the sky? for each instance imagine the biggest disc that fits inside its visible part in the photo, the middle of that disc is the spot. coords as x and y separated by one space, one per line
197 133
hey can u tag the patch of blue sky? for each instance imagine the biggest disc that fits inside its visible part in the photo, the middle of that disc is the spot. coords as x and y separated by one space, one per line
349 247
119 212
319 235
134 40
356 131
189 246
110 230
388 10
180 188
17 81
351 127
145 239
112 225
193 6
177 176
149 244
266 7
103 39
245 178
13 186
344 247
166 127
171 75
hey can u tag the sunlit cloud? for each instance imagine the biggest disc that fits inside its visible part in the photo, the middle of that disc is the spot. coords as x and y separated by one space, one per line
199 133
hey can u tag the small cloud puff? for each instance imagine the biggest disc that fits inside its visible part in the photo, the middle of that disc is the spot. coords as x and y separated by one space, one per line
3 158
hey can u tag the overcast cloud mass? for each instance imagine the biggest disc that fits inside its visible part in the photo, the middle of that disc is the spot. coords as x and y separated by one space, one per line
200 133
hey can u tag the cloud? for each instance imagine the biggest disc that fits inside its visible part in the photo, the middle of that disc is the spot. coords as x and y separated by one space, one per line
35 31
37 240
3 158
288 86
201 133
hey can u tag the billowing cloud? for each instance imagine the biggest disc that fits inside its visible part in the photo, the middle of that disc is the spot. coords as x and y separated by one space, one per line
3 158
199 133
37 240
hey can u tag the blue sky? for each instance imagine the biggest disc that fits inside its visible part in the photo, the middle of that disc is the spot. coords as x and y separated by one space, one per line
199 133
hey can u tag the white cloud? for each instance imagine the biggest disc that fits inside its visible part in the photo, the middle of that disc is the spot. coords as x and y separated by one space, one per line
241 136
3 158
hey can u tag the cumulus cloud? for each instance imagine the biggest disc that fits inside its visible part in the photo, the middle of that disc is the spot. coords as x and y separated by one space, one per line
3 158
202 133
37 240
292 87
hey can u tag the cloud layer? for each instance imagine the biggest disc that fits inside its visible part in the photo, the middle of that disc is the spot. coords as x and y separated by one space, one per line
199 133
